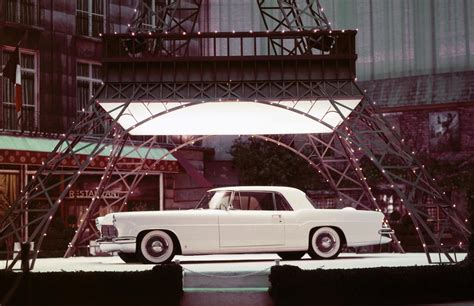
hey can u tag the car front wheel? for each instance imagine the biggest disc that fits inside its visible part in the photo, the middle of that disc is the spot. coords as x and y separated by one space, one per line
156 247
325 243
128 257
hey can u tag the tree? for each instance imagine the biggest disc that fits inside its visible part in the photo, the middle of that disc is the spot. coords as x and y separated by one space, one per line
265 163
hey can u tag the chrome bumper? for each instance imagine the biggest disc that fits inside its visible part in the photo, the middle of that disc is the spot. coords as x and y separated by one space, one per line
386 231
386 234
120 244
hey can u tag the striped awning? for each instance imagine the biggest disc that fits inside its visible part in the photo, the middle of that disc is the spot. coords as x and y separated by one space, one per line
34 150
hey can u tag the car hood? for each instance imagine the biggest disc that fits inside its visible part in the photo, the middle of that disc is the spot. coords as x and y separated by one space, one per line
109 218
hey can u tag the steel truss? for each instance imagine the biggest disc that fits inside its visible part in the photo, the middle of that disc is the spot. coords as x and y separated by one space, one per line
95 132
337 159
280 79
167 16
296 16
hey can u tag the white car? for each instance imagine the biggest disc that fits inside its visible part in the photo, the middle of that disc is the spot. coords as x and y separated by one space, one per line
241 220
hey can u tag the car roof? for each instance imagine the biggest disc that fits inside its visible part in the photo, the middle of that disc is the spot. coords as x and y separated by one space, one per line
258 188
296 198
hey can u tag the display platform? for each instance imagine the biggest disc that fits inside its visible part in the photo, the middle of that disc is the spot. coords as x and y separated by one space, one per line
236 262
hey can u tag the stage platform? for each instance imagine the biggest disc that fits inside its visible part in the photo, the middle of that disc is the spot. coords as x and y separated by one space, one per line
232 279
241 263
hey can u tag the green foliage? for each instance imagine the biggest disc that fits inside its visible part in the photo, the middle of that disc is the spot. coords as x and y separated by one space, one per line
374 175
449 175
264 163
452 175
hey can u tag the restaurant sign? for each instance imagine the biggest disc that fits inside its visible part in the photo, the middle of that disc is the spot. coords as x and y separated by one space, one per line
89 194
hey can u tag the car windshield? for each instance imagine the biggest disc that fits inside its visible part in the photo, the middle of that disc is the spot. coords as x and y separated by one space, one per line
215 200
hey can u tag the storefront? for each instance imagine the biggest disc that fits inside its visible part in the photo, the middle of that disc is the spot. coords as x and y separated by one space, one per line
20 157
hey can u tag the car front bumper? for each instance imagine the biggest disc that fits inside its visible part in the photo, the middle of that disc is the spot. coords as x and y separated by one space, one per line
120 244
386 234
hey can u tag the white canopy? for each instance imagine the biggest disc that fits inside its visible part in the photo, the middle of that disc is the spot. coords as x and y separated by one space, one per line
230 117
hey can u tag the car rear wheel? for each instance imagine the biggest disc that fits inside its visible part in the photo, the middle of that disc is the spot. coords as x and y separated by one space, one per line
325 243
156 247
291 255
128 257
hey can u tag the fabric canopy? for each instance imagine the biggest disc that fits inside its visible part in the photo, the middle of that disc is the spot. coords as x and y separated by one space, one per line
35 150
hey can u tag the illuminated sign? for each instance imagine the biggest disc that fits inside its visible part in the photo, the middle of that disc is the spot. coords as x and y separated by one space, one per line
89 194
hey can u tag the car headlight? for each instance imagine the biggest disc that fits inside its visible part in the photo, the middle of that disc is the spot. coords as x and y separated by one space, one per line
97 222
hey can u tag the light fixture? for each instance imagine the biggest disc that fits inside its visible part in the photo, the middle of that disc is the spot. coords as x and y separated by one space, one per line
224 118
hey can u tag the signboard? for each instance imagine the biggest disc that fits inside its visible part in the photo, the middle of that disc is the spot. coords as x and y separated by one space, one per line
444 132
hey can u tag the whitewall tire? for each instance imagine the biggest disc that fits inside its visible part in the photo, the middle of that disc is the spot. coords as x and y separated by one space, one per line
156 247
325 243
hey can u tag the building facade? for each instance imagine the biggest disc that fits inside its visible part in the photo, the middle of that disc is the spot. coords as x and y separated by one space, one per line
60 50
415 58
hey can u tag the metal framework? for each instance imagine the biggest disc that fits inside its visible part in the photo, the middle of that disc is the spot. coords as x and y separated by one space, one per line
166 16
292 15
146 67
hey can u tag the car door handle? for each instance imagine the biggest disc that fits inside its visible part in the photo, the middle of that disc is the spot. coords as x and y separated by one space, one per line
278 217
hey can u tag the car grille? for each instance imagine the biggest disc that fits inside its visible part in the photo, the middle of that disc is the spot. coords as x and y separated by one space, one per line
108 231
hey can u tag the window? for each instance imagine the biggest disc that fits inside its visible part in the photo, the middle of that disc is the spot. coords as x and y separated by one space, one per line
21 11
323 203
88 82
253 201
90 17
215 200
281 203
9 185
29 113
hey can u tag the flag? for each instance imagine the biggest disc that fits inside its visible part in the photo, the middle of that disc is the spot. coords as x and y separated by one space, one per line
12 71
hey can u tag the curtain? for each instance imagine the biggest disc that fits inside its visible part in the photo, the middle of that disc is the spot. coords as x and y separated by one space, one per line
396 38
8 191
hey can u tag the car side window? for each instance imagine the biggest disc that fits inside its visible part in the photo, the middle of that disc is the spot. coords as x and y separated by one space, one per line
281 203
266 201
254 200
236 201
220 200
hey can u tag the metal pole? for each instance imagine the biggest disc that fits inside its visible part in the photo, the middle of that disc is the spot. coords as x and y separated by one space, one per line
162 192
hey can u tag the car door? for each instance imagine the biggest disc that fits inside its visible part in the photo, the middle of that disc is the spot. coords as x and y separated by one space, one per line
251 221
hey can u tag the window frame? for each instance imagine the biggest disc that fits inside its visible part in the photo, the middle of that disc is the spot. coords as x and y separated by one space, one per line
286 205
17 18
36 94
89 79
90 15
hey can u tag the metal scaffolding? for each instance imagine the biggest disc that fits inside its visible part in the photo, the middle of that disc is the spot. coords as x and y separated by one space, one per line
152 67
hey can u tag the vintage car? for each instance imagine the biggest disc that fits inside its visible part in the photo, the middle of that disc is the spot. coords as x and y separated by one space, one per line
249 219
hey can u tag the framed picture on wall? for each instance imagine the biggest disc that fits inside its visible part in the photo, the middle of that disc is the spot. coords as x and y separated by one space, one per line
444 131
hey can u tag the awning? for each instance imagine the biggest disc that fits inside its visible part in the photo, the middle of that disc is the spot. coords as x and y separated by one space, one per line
34 150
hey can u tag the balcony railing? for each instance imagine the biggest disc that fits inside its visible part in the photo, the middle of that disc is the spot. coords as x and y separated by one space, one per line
149 46
24 12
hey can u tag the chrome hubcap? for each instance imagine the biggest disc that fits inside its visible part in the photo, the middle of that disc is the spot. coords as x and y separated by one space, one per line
325 242
157 246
